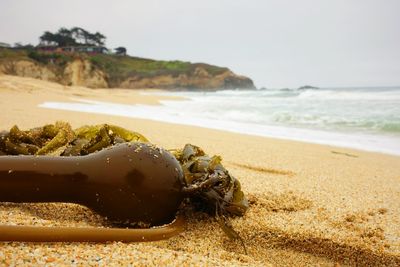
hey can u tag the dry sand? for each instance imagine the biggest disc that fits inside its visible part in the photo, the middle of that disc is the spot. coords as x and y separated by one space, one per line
310 204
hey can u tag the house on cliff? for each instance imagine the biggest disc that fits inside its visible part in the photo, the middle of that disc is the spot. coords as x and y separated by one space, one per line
73 49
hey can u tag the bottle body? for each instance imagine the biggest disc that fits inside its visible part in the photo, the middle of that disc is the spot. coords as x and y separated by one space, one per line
128 183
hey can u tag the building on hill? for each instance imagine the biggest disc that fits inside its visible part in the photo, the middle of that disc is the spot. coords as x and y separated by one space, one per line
4 45
85 49
73 49
47 48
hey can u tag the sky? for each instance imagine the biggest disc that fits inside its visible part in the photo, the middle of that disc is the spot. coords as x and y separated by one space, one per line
277 43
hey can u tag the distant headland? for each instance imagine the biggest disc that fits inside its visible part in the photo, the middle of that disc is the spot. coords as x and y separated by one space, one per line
78 57
305 87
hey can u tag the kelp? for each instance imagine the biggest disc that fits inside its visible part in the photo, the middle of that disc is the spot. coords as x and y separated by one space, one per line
212 187
60 139
208 184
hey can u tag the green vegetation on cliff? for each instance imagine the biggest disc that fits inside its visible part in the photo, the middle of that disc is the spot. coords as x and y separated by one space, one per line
6 54
57 59
113 65
120 68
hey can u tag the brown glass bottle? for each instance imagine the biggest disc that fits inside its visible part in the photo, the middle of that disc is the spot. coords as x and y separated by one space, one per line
127 183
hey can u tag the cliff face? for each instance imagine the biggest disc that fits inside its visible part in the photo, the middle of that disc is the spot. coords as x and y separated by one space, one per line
83 72
77 73
201 79
26 68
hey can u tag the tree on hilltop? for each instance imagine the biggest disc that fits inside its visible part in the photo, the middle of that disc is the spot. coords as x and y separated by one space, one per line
61 38
79 34
120 51
75 36
98 38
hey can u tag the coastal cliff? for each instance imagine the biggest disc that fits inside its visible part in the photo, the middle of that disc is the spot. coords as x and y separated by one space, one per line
110 71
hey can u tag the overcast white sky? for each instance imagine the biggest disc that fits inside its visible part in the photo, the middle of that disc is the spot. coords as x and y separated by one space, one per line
278 43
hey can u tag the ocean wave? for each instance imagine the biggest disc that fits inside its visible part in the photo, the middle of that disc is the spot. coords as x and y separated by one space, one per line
321 94
350 95
375 110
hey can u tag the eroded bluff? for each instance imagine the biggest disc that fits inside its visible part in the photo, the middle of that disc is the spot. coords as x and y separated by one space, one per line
82 72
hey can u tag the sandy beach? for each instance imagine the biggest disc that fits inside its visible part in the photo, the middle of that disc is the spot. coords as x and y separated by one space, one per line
309 204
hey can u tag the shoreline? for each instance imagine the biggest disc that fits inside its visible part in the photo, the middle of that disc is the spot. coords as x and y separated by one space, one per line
310 204
360 141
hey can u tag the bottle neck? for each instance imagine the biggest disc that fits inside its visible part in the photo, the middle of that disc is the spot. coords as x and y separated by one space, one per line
40 178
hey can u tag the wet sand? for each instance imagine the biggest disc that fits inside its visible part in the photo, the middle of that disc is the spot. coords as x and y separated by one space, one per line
309 204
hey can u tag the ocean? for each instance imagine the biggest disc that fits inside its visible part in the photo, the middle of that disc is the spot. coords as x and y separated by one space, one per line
361 118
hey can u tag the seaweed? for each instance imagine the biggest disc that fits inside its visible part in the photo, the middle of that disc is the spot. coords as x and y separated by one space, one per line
208 184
